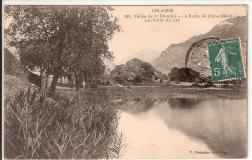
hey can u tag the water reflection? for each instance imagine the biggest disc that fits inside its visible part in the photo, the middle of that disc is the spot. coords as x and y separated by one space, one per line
172 127
137 105
184 103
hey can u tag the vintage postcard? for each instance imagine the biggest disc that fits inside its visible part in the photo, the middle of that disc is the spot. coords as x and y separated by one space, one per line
125 81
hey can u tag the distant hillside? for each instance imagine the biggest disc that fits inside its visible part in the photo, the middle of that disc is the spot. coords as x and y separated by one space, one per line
146 55
174 55
12 66
135 71
15 75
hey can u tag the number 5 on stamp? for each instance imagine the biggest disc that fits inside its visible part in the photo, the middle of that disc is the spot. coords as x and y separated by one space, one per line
226 59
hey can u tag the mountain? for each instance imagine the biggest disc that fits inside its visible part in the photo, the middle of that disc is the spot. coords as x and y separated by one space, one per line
174 55
109 65
147 55
135 71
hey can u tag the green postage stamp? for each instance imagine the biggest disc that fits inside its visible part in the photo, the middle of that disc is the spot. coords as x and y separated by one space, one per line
226 59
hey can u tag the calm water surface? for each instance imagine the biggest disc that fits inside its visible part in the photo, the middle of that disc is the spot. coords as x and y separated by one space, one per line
184 127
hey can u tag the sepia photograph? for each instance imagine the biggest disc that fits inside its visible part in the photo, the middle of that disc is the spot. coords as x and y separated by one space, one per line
125 81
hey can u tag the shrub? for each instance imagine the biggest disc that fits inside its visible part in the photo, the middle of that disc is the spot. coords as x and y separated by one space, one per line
38 125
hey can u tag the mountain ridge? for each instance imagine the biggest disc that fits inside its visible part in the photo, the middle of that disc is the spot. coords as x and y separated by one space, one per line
174 54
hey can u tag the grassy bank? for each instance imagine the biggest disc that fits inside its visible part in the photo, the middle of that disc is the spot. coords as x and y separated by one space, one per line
13 84
76 126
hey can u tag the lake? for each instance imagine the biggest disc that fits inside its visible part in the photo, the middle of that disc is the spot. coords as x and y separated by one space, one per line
184 126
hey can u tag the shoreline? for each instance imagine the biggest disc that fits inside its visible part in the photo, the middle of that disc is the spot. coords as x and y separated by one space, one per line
164 91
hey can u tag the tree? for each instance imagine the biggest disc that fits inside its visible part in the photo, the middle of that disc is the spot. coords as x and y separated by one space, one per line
62 39
135 71
183 74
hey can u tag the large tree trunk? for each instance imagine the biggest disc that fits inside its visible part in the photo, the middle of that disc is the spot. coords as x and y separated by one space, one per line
47 77
77 84
57 72
43 81
70 81
54 83
87 83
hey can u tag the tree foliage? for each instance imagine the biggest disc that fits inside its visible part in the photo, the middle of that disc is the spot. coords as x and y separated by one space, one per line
135 71
183 74
60 40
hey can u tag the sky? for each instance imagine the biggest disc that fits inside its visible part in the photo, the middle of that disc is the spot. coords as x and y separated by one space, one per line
139 35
